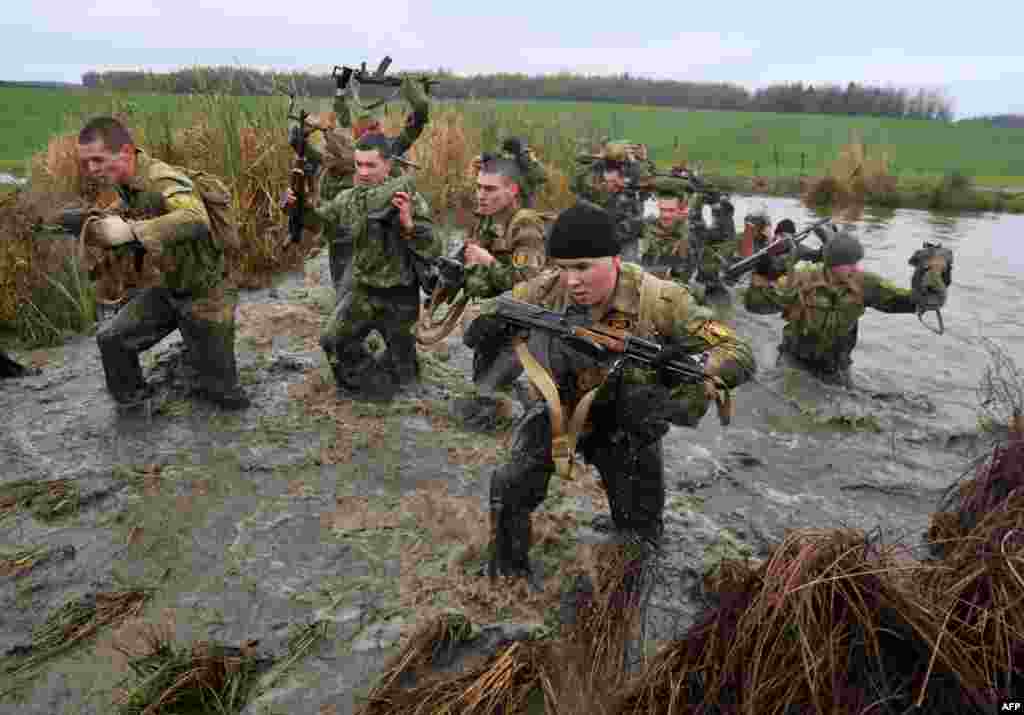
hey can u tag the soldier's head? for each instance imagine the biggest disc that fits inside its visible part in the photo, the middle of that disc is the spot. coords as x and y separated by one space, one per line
842 253
106 151
498 185
614 176
582 246
373 159
758 223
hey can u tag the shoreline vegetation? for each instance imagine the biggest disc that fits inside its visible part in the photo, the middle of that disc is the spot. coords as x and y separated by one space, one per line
44 294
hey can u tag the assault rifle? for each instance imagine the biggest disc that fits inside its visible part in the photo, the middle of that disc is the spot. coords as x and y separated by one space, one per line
301 172
69 225
775 248
378 77
697 184
600 341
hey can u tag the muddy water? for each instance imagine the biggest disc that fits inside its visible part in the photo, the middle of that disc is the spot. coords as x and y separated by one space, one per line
300 509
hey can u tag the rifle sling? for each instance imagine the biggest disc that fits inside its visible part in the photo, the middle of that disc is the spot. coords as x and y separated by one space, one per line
563 436
427 330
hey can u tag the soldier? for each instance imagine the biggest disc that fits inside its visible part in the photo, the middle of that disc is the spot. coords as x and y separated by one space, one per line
174 229
631 411
716 244
613 181
390 228
822 304
756 226
333 148
665 240
505 248
533 174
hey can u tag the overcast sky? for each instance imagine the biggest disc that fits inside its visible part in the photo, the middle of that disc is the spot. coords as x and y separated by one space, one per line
973 51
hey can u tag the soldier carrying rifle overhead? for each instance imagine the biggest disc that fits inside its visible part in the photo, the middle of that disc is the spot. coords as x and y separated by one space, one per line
668 362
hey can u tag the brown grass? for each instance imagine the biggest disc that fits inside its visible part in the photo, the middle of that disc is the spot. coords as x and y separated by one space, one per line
262 322
855 176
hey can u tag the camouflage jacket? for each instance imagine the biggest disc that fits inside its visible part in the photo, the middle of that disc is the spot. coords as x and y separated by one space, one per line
168 211
380 254
672 317
822 309
516 239
667 248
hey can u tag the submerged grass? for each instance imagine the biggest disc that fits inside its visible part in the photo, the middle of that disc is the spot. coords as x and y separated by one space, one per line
71 625
45 500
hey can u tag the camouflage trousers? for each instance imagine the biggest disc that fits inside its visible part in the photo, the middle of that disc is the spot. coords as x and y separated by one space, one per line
631 474
339 252
392 312
207 326
835 371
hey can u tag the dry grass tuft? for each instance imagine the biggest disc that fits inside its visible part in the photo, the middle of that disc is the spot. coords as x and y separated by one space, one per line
207 677
853 178
261 323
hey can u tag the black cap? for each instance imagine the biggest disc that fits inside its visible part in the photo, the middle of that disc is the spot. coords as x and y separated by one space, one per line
842 249
785 226
583 231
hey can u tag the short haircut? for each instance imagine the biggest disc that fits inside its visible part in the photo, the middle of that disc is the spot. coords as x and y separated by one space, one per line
375 141
507 168
113 134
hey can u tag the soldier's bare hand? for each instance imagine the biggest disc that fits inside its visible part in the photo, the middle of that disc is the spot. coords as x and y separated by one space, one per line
476 255
289 199
403 202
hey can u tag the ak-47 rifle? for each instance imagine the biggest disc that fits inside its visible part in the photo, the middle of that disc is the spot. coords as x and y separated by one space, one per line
599 340
302 171
446 276
775 248
379 78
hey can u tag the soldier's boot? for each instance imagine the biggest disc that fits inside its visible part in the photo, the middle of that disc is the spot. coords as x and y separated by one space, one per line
122 369
10 368
212 354
510 547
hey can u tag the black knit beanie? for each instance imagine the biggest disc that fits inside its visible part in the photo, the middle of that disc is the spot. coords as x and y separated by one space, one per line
583 231
841 250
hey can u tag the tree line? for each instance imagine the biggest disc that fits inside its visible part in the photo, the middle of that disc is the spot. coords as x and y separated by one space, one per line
798 97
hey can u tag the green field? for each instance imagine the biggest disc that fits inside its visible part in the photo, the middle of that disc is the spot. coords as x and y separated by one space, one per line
731 142
728 143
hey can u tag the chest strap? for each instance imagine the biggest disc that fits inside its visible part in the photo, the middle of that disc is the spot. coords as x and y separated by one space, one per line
564 433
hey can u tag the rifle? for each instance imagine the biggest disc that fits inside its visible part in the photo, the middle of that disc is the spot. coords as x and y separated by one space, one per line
300 174
600 341
378 77
775 248
445 278
925 301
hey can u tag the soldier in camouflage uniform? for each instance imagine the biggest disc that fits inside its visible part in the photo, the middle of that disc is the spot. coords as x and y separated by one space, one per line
505 248
822 303
665 240
390 228
616 181
631 411
333 148
175 232
716 244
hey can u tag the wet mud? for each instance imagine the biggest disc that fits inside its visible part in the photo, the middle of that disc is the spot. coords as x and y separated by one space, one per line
372 517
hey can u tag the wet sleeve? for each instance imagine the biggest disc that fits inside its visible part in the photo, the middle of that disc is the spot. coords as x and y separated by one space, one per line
886 297
417 119
183 210
527 262
424 241
342 111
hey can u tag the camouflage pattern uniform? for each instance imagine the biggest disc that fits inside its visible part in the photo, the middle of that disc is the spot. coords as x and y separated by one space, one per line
717 244
381 288
822 310
667 248
334 149
629 460
175 231
515 238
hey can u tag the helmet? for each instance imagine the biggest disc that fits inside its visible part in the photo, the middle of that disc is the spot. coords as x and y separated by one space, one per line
842 249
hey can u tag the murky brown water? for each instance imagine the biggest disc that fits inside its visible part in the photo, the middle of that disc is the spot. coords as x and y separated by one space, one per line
232 532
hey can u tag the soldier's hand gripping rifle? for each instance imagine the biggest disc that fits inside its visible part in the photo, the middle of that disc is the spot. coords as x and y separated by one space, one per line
447 302
775 248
